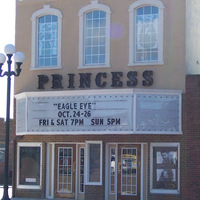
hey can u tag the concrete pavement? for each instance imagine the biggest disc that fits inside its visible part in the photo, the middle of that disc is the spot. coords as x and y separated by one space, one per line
10 195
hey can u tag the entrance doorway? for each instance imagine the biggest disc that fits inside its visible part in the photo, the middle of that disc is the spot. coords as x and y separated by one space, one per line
124 173
67 175
65 165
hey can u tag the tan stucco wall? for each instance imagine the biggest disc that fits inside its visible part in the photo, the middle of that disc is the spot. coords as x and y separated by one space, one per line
171 75
192 37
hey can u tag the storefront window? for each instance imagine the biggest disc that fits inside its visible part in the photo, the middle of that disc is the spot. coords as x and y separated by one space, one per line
29 167
94 160
165 168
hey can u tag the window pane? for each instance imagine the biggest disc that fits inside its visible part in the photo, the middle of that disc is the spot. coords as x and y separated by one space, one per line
96 23
96 14
112 171
129 171
47 40
140 11
95 50
154 10
102 59
88 50
102 15
2 155
88 59
81 172
95 37
94 168
65 161
147 10
146 33
29 170
95 59
89 15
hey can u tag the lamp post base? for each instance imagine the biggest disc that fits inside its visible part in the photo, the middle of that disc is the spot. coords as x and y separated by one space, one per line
5 193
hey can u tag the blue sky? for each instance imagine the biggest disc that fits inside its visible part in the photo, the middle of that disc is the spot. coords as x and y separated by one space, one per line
7 36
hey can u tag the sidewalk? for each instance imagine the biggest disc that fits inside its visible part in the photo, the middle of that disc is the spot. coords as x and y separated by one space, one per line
10 195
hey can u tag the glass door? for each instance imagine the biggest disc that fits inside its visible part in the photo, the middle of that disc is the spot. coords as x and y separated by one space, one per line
65 171
129 172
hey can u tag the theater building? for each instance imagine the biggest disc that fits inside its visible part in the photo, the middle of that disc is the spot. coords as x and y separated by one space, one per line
99 102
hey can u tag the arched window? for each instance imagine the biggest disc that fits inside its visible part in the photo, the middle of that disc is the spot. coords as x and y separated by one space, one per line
46 38
94 36
146 33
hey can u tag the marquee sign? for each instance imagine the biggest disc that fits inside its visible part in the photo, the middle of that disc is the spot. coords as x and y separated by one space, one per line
125 111
80 113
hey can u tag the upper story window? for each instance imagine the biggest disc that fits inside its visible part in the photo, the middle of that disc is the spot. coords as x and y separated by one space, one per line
46 38
94 36
146 33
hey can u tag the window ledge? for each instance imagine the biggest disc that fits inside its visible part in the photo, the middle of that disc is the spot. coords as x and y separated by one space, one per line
29 187
163 191
145 64
45 68
93 183
93 66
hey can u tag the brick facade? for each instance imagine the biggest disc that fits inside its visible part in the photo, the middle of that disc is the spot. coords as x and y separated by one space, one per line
193 136
98 192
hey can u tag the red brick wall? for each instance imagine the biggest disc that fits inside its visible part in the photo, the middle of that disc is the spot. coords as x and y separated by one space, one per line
189 173
193 137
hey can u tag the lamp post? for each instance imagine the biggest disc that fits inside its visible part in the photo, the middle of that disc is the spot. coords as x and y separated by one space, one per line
19 59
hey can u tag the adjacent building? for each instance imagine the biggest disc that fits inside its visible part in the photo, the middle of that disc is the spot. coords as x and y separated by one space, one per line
192 100
100 100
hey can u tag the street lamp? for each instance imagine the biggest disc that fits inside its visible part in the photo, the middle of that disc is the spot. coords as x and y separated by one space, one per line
19 59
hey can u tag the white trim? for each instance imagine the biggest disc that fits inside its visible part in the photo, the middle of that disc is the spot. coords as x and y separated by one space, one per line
142 172
44 11
53 168
87 164
73 93
47 171
93 6
164 191
116 165
77 171
51 196
106 170
132 11
93 92
28 144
